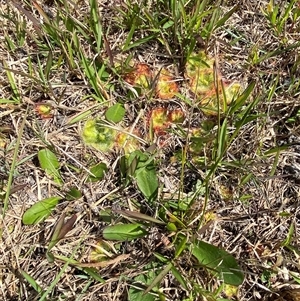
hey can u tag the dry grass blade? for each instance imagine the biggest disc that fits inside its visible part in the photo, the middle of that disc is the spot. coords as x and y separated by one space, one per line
139 216
105 263
12 168
285 295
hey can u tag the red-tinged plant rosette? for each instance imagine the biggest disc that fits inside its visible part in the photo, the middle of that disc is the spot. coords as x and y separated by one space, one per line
166 87
127 141
211 97
44 110
140 76
176 116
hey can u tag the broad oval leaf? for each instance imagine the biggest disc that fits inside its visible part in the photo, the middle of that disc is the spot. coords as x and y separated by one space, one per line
49 163
115 113
40 211
218 261
123 232
98 171
147 182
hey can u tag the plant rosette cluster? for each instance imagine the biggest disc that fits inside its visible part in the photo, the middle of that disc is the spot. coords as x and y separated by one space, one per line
139 76
160 120
212 92
44 110
105 139
142 76
128 142
166 87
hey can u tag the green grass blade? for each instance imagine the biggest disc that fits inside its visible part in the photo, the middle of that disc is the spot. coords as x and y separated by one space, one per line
96 24
62 271
159 278
91 73
222 21
241 100
12 82
31 281
222 140
13 166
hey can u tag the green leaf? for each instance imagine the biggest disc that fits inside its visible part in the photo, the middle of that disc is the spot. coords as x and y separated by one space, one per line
222 20
138 42
78 117
123 232
276 149
61 228
31 281
98 171
136 291
222 139
287 241
171 227
161 258
168 24
115 113
179 277
136 160
147 182
180 246
159 277
49 163
219 262
50 257
94 274
139 156
241 100
73 194
40 211
89 71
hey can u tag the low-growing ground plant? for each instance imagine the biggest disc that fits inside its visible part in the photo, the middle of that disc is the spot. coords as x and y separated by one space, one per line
148 150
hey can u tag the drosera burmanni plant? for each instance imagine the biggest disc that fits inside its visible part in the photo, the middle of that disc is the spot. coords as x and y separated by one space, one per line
147 149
